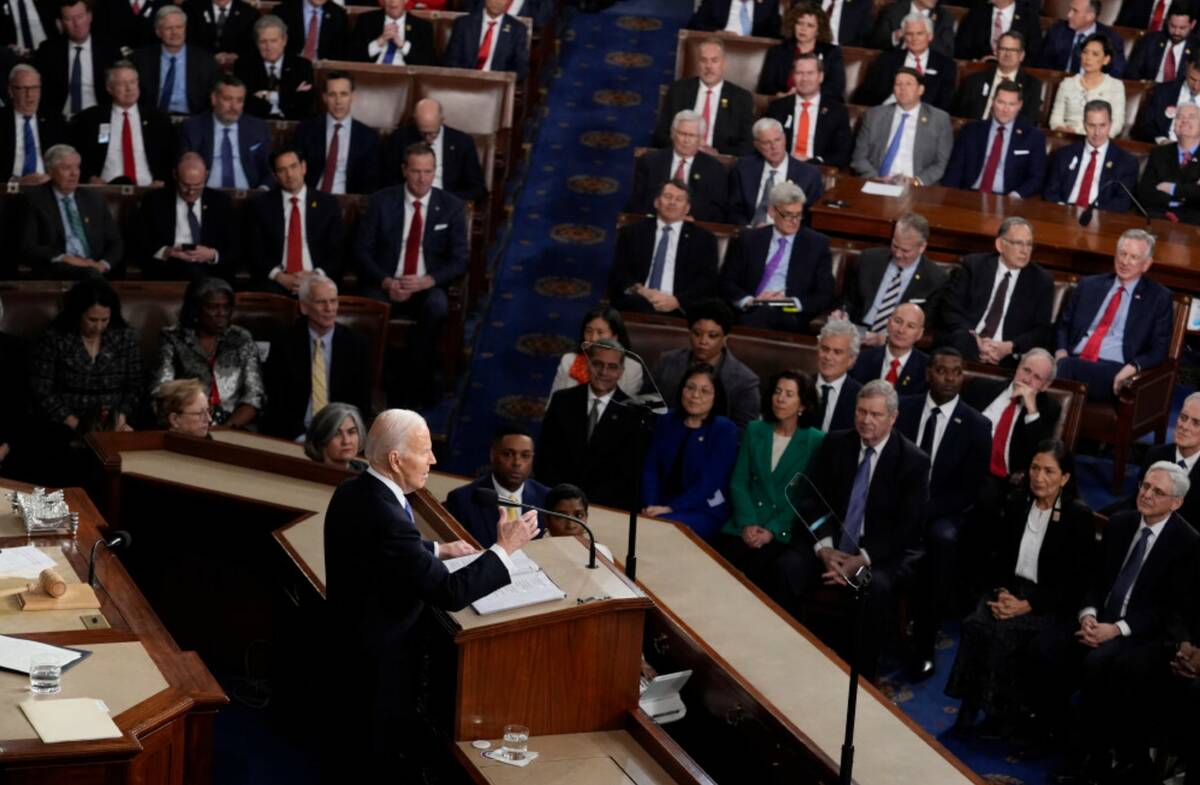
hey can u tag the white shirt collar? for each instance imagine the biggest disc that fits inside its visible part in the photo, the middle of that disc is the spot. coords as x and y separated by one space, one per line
836 384
300 195
944 408
603 399
393 487
505 493
888 356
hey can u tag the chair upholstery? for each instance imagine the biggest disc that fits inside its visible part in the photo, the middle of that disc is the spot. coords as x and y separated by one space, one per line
744 56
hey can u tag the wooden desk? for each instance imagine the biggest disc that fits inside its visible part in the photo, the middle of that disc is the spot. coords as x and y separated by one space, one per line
963 221
163 699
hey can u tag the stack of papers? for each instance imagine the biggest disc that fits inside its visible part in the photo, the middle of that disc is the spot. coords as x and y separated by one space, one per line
70 719
15 653
530 585
27 561
522 564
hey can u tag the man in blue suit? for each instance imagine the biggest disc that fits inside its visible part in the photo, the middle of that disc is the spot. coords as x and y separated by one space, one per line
1115 324
744 17
1088 170
512 461
1063 41
489 40
1003 155
354 168
753 176
235 146
897 361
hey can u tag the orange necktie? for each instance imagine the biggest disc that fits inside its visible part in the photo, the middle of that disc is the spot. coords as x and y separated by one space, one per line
801 146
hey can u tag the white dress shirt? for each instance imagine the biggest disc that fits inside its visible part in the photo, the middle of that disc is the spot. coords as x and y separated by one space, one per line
1191 462
945 412
675 159
274 71
35 24
733 23
114 160
377 51
713 106
668 276
1081 167
828 542
602 400
1180 58
1036 524
835 390
835 18
87 78
483 29
903 163
995 410
183 229
814 112
996 80
408 219
305 258
339 171
1155 531
18 161
887 361
1001 269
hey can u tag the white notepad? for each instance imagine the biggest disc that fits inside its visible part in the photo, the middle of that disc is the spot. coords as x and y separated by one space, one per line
882 189
15 653
526 589
70 719
522 564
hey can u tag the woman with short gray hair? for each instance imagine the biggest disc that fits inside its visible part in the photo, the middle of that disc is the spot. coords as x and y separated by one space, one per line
335 437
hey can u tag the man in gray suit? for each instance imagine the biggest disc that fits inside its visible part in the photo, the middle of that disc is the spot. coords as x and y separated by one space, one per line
905 142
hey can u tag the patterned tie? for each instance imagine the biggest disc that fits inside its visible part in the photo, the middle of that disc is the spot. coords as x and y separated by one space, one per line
891 298
168 88
1169 65
193 222
987 182
1085 186
77 226
29 166
929 432
999 462
1091 350
995 312
295 251
681 171
320 394
485 49
128 163
660 260
893 148
593 418
412 246
800 149
772 265
1128 575
748 22
77 82
857 508
1156 20
331 160
893 373
764 202
997 28
311 35
228 179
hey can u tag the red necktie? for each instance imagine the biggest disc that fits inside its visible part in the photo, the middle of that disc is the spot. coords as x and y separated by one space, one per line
214 395
127 161
412 246
917 65
1160 10
997 28
681 172
993 161
137 8
999 465
707 116
295 256
331 160
1169 65
1085 187
801 147
485 49
310 39
893 373
1091 350
1187 157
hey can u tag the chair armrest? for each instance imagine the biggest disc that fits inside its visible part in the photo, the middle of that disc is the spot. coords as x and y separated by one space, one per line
1147 395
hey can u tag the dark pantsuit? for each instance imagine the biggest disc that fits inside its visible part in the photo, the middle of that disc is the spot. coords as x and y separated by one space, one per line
1098 376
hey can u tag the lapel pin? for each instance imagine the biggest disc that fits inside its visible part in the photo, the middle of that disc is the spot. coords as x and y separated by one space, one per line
1108 164
314 204
824 109
924 119
958 421
725 101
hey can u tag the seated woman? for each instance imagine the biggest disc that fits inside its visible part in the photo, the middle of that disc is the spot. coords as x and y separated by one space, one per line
206 346
1090 84
335 437
182 407
570 500
600 322
1045 543
686 474
805 29
774 450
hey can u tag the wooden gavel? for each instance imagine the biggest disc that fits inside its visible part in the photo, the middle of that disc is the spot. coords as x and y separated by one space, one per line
49 581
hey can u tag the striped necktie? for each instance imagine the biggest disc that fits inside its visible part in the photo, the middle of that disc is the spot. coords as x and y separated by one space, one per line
320 393
891 298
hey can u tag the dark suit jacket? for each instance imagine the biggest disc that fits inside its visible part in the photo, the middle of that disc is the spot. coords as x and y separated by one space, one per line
47 14
606 468
334 38
43 236
858 19
158 137
540 11
324 233
462 174
1137 13
51 131
1024 161
973 40
810 268
219 229
864 279
832 140
254 145
893 14
713 14
971 98
509 44
732 119
1162 166
910 380
237 36
1059 41
1166 452
940 75
980 392
777 70
294 104
53 62
378 241
746 175
1147 328
962 456
418 32
1064 561
843 409
1027 323
199 79
288 377
1148 53
695 263
1068 162
1153 121
362 162
115 20
707 181
480 521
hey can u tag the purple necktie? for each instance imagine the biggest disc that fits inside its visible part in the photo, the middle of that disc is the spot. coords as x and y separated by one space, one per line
772 265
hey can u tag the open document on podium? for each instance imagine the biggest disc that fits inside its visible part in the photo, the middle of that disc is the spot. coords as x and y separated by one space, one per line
530 585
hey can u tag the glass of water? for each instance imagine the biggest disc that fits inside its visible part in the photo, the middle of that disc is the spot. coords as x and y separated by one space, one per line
516 742
45 674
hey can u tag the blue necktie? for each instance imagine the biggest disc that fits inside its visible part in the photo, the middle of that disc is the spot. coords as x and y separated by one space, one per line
227 178
31 151
193 222
660 259
857 508
168 88
747 22
1127 576
77 82
1076 51
26 30
1183 464
391 53
893 148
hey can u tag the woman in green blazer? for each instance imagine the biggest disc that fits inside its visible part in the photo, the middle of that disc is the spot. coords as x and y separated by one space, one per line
774 450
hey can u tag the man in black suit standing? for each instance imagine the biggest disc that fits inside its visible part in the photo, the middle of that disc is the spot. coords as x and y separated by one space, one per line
726 110
705 176
512 461
317 362
980 32
278 86
380 575
21 153
753 176
392 36
889 26
1159 56
235 146
175 77
1083 172
780 276
837 351
824 137
974 96
1156 121
73 65
342 153
322 29
223 27
189 231
998 305
897 361
1183 452
876 483
937 71
295 232
1169 185
744 17
664 264
458 168
121 141
489 40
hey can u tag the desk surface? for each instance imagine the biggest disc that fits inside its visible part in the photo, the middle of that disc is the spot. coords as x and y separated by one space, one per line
600 758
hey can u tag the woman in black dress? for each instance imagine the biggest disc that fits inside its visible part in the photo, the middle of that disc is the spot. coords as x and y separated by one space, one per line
805 29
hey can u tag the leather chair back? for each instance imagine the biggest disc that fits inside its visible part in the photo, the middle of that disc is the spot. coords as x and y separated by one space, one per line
744 56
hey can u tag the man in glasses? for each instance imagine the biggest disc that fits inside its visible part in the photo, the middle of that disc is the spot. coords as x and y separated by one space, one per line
975 94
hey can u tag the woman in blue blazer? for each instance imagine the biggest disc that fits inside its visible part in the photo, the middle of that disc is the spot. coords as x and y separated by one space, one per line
686 475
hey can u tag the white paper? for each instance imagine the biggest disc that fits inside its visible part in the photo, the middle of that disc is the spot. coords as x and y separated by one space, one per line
529 589
15 653
882 189
27 561
522 564
70 719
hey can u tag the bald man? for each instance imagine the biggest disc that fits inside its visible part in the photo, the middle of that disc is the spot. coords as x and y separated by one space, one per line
457 160
898 360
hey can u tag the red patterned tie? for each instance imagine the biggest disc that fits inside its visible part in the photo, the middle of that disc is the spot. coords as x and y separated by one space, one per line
1085 187
1091 350
999 464
485 49
310 39
1169 65
412 246
893 373
917 65
331 160
993 161
706 114
295 255
1160 10
136 8
127 162
681 172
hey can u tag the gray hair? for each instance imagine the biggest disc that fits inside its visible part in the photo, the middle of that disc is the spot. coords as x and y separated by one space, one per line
842 327
786 192
390 433
166 11
324 427
1038 351
1010 222
21 68
687 116
764 124
1186 106
881 388
1142 235
268 21
1194 397
57 153
917 17
120 65
1179 478
915 223
306 286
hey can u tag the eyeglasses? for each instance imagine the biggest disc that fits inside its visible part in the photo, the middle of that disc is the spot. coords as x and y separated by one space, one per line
791 216
1022 244
1157 493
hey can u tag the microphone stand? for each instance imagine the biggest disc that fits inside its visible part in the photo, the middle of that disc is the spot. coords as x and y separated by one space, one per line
1085 218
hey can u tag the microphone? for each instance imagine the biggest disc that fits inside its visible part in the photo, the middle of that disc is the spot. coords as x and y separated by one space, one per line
862 576
120 539
1085 217
489 497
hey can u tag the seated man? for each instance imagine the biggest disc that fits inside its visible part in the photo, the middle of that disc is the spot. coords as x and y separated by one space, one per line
236 147
935 70
817 130
781 276
743 17
21 154
1168 186
67 88
1063 42
1117 324
540 11
489 40
1183 452
223 27
187 232
325 26
342 153
68 232
103 132
974 96
392 36
278 86
512 461
1090 170
705 176
981 33
897 361
1159 55
294 232
175 78
458 169
877 485
753 176
664 264
889 25
998 306
908 141
316 362
1003 155
1152 15
1156 121
726 109
837 351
